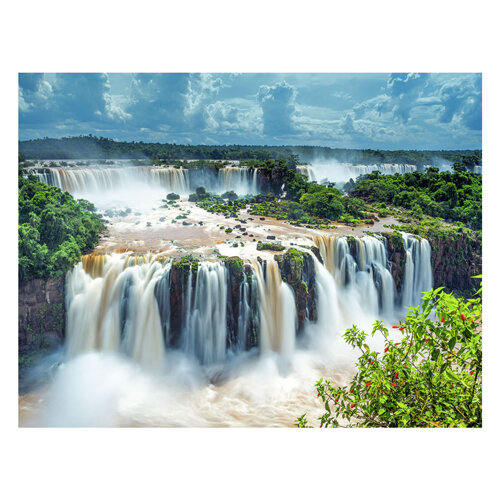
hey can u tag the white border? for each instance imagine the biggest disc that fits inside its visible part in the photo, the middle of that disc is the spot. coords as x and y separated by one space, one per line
320 36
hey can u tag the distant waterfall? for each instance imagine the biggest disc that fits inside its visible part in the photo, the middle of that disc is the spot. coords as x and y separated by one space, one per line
308 171
333 171
85 181
241 180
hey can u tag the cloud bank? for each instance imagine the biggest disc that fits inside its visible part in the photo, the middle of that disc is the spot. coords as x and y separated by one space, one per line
384 111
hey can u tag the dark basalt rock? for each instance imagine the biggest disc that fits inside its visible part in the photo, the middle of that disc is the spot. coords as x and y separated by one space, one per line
297 270
396 257
41 322
455 258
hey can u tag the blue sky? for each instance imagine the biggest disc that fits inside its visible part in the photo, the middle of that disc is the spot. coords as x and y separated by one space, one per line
372 110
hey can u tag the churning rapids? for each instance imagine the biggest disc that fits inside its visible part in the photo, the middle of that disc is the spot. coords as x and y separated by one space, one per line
151 344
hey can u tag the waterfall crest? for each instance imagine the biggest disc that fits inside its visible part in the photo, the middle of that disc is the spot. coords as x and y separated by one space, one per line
143 306
83 181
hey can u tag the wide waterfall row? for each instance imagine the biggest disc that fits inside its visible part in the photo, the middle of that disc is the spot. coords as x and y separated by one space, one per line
84 180
342 172
144 305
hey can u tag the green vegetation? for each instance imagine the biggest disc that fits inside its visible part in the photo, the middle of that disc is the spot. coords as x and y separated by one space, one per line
54 230
432 377
186 264
274 247
234 265
172 196
454 196
397 239
91 147
216 204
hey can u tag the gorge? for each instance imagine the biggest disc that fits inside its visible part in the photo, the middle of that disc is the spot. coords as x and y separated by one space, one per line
177 318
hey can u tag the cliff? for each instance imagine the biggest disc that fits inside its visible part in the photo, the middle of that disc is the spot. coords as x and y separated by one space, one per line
41 319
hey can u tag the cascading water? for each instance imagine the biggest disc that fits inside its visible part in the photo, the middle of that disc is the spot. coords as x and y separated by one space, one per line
333 171
111 306
187 330
122 303
308 171
277 310
418 270
93 180
134 304
205 331
361 270
241 180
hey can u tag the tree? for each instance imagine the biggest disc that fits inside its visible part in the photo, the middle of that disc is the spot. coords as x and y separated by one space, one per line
431 377
459 167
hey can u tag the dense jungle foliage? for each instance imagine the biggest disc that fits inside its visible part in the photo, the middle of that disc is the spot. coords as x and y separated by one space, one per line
92 147
54 229
454 196
430 377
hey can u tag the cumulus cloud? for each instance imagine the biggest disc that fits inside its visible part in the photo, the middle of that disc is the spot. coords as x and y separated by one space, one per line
382 111
462 102
405 89
347 125
278 108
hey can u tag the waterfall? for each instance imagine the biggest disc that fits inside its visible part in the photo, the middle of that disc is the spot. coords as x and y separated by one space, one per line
205 331
111 306
277 310
97 179
333 171
418 270
308 171
123 303
143 306
241 180
361 269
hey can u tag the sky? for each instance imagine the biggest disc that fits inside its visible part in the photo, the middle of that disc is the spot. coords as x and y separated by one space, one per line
340 110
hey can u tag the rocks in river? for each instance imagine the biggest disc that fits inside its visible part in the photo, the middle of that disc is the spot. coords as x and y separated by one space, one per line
245 234
238 236
185 223
148 224
162 219
250 218
251 235
200 223
262 218
270 237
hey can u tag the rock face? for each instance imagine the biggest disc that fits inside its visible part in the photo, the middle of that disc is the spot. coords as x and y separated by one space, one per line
397 258
455 258
297 269
41 319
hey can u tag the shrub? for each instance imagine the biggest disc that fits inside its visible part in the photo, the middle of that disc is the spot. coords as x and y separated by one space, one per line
432 377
